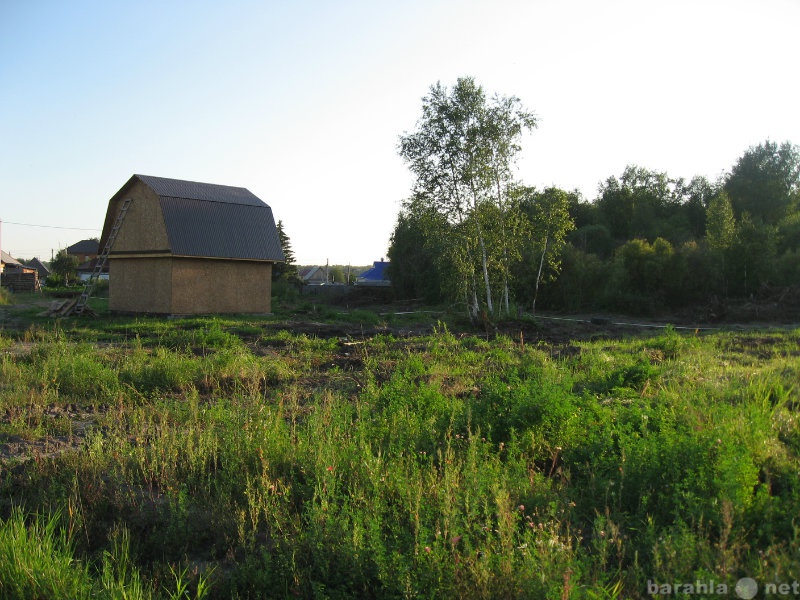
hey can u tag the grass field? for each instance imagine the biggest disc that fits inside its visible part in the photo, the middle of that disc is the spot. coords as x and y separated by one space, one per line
254 458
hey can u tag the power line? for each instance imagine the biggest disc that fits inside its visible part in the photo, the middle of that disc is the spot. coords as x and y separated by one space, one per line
49 226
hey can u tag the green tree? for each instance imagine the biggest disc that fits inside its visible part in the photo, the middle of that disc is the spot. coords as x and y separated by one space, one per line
697 276
583 276
593 239
645 204
507 230
697 196
287 270
505 124
752 256
461 155
336 274
789 232
720 223
583 213
720 233
64 265
642 274
415 253
765 182
616 204
549 217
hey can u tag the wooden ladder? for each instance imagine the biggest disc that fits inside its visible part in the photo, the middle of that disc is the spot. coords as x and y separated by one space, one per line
100 262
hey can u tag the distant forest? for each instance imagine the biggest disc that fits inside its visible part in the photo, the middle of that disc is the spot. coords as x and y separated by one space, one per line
647 243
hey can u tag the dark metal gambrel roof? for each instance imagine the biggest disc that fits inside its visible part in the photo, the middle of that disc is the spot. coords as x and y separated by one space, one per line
210 220
211 192
220 229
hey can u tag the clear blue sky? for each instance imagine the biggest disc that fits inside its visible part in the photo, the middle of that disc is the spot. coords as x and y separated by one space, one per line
303 102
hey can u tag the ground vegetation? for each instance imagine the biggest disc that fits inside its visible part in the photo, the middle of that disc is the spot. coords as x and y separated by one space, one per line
331 453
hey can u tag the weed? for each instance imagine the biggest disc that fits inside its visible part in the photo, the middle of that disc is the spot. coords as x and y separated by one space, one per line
36 559
231 459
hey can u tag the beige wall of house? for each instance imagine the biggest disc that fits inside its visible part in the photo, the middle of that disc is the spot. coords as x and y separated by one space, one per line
201 285
143 230
140 285
182 286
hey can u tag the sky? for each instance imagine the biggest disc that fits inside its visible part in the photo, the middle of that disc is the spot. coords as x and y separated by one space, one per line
303 102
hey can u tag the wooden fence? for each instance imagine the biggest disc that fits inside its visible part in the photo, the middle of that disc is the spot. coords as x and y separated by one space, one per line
20 282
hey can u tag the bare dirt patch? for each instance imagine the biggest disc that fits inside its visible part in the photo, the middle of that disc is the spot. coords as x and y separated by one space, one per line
58 430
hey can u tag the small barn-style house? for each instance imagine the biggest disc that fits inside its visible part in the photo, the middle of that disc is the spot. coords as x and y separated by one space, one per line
189 248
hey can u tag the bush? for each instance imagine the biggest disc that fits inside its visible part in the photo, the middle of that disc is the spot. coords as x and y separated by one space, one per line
789 268
285 291
54 281
509 404
578 286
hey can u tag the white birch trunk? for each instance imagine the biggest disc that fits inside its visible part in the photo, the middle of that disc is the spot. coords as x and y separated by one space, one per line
539 274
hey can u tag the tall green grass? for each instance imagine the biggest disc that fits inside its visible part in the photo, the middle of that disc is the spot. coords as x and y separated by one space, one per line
283 465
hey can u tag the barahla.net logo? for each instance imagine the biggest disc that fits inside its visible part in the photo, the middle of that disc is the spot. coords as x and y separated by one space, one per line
698 587
746 588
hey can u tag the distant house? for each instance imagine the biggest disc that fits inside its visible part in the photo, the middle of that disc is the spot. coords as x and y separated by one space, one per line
12 265
313 275
376 276
7 259
190 248
85 250
16 276
40 267
86 269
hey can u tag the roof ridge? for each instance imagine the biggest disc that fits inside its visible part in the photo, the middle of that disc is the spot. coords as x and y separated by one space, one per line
185 189
144 177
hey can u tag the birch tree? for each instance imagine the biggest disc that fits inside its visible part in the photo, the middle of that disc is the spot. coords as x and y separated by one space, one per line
720 223
461 154
720 233
550 222
505 125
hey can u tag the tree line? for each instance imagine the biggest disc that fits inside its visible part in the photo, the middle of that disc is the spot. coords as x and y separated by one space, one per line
471 234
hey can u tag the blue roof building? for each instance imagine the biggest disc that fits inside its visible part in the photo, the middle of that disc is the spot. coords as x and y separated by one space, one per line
376 276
